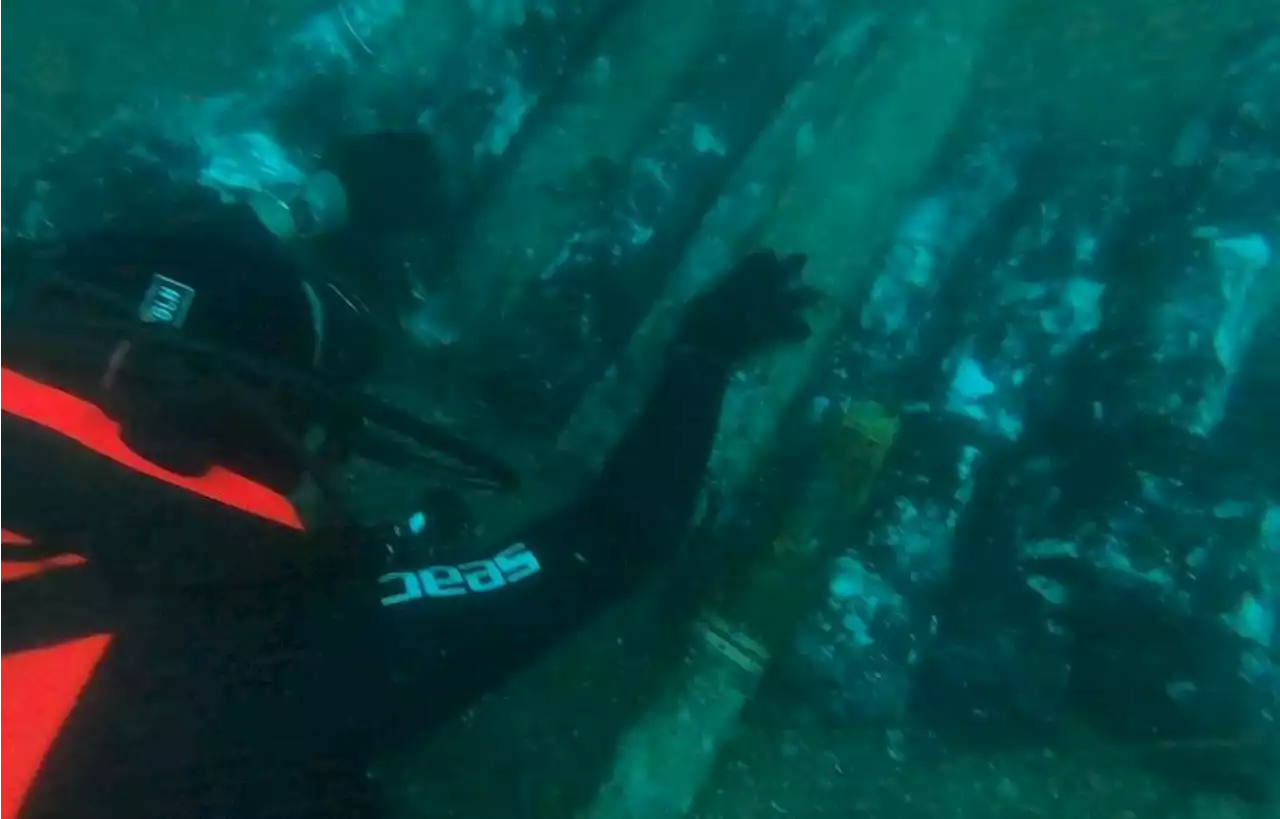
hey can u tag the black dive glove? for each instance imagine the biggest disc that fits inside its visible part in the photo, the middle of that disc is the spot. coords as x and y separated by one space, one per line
759 303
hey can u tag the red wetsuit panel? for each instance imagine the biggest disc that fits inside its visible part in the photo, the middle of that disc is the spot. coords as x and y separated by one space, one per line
89 426
16 570
169 653
39 688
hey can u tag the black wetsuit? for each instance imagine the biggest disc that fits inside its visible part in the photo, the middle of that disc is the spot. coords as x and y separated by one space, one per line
230 680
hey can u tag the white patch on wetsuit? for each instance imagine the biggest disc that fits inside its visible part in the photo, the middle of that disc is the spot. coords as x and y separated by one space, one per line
508 567
167 301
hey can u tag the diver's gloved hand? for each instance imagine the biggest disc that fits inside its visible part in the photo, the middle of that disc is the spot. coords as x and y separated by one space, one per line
759 303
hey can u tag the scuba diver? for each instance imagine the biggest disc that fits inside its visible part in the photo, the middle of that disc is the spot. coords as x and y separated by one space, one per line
184 633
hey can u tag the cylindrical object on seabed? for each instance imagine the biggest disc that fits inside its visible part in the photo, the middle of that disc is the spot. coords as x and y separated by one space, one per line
567 165
563 329
677 740
1161 507
847 197
922 62
725 233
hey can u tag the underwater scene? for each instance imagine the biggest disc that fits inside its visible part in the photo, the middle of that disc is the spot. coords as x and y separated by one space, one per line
641 409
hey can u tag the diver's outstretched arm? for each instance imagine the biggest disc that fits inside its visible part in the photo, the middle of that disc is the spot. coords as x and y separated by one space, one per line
458 629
